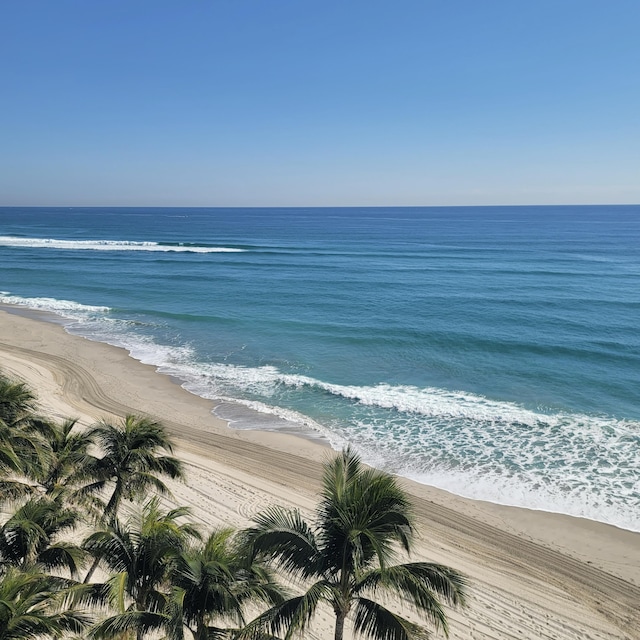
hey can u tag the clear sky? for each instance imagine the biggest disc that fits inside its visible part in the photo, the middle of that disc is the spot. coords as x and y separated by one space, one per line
319 102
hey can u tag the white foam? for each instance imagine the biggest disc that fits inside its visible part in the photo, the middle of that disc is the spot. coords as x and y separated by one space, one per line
65 308
109 245
531 494
288 416
429 402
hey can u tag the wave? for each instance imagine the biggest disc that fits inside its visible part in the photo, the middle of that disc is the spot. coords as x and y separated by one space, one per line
65 308
471 445
111 245
427 401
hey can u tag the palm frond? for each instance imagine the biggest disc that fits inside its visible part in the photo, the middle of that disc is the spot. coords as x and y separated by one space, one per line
418 577
139 621
134 456
362 515
421 585
9 460
289 618
63 554
16 400
87 595
12 491
73 621
286 538
34 604
375 621
112 546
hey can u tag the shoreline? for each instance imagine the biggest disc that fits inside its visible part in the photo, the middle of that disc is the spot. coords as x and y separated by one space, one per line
296 431
282 425
581 574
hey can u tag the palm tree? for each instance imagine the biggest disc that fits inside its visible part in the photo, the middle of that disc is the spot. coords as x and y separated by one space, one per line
32 606
69 458
29 539
216 581
65 465
17 401
134 456
348 554
139 556
18 449
9 460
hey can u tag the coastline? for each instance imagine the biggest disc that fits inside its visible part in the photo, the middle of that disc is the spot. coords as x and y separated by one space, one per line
533 574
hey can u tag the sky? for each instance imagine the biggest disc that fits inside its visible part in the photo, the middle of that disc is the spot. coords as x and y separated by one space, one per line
319 103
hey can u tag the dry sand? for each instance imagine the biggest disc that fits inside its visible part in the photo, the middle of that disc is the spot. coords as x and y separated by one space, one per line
533 575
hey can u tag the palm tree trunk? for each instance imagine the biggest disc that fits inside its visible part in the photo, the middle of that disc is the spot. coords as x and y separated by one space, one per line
112 505
139 605
114 501
340 618
91 571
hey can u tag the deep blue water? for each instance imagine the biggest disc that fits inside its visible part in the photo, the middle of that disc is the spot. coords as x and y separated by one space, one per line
491 351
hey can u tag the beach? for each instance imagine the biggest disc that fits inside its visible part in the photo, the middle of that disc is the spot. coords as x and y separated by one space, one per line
532 574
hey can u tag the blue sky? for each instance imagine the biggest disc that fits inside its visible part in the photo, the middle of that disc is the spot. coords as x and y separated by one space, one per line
319 103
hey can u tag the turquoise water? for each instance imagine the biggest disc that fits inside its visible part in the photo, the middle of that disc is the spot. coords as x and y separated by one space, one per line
490 351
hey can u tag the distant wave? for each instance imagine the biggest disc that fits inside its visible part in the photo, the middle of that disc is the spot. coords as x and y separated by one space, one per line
110 245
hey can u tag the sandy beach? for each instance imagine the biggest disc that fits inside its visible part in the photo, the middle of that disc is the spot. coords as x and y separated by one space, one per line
533 574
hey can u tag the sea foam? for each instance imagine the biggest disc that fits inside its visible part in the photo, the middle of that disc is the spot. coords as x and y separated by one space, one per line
64 308
110 245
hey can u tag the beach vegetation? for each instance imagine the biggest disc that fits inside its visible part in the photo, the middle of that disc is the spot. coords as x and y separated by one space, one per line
36 605
160 578
346 556
138 557
135 456
20 450
17 401
216 582
62 465
68 455
31 537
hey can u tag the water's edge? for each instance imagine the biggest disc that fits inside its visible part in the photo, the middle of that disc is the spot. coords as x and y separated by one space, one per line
233 414
238 414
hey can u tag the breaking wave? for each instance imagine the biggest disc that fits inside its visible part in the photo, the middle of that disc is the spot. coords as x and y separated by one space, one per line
111 245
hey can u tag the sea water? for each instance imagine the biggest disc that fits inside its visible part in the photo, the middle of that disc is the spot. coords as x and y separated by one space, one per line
490 351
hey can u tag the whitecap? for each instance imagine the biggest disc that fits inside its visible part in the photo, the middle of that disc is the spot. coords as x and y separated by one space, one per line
110 245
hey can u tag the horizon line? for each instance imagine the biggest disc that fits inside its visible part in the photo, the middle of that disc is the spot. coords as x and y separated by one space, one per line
350 206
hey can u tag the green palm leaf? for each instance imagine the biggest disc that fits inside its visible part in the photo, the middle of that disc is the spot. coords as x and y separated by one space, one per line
375 621
288 540
363 521
290 617
30 537
134 455
215 581
32 605
141 622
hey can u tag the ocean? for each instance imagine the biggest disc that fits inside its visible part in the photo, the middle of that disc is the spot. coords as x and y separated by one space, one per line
490 351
